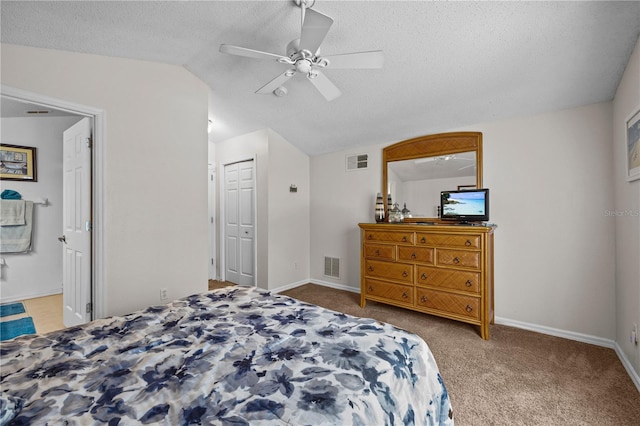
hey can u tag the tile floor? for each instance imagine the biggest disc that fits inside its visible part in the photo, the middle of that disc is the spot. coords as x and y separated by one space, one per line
46 313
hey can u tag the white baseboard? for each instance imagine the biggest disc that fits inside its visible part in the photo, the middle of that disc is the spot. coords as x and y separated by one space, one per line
336 286
628 366
318 282
288 286
580 337
585 338
31 296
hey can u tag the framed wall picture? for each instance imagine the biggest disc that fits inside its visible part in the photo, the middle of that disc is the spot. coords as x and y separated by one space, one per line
18 163
633 145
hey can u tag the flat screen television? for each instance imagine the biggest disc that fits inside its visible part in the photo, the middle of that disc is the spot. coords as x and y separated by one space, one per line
469 205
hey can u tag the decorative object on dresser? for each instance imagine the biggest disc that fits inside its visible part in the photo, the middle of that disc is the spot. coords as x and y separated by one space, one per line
379 214
443 270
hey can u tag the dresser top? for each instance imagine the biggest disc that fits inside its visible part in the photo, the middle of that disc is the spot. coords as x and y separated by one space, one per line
431 226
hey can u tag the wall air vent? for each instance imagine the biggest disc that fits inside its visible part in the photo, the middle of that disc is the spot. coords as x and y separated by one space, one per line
332 267
357 162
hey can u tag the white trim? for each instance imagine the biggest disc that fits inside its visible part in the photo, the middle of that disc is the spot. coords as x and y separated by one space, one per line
31 296
585 338
336 286
635 378
99 274
288 286
571 335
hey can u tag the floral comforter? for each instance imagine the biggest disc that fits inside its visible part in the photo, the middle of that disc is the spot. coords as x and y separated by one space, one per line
234 356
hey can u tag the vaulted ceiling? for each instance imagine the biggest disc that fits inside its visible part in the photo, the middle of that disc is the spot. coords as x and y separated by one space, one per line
446 64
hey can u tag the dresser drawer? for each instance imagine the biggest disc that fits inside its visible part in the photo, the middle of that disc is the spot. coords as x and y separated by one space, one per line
465 259
384 290
466 306
390 236
449 240
416 254
391 271
448 278
380 251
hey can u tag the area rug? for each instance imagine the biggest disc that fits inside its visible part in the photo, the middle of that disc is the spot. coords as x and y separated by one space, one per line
11 309
15 328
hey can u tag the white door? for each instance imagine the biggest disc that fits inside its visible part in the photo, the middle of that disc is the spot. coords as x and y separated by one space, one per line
239 179
76 238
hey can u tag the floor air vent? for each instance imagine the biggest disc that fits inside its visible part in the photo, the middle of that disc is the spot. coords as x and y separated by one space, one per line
332 267
357 162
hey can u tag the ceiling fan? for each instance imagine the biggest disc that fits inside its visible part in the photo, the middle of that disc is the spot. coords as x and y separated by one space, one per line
303 55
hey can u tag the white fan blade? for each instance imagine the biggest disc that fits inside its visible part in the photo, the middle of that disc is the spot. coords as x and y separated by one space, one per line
276 82
324 85
373 59
249 53
314 30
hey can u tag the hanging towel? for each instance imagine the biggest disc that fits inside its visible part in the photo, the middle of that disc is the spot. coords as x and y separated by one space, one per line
17 238
10 194
12 212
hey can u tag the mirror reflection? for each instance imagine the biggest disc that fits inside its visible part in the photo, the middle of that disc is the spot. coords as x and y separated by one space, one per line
418 182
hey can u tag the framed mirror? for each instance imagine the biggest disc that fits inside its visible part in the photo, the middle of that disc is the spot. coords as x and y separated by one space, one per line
414 171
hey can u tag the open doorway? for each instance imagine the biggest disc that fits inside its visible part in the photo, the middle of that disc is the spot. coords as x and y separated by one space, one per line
94 280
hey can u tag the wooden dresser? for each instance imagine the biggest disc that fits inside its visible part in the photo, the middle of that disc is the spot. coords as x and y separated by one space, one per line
443 270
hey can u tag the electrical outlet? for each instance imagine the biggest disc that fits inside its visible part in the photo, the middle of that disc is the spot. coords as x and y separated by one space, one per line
634 334
164 294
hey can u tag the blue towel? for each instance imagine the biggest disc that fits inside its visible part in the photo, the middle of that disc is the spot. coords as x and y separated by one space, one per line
10 194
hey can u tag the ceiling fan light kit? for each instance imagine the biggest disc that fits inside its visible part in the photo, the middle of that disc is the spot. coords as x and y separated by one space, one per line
303 54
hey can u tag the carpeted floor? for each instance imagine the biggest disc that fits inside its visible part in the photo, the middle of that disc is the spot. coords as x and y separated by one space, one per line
518 377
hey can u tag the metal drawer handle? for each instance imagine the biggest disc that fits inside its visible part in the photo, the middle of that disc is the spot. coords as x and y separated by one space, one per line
423 299
469 283
405 274
413 255
423 240
377 252
467 243
405 295
371 268
370 236
456 260
423 276
404 239
469 308
370 289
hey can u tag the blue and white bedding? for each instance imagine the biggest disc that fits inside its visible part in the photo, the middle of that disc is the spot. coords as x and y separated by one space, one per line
235 356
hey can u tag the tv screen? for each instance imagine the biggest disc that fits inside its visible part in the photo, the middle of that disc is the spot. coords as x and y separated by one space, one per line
471 205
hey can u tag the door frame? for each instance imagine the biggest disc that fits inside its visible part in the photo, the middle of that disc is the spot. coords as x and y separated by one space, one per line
223 232
98 271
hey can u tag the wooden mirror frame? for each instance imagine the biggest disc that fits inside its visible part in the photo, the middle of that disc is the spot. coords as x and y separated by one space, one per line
432 146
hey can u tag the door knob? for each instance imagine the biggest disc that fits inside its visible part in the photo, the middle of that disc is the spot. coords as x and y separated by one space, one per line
62 239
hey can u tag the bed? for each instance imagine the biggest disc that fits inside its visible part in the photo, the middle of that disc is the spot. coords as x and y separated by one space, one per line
234 356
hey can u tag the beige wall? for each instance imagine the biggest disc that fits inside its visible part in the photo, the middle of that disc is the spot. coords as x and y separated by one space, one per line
155 224
550 178
627 199
288 214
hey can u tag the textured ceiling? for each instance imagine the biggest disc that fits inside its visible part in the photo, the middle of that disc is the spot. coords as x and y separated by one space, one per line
447 64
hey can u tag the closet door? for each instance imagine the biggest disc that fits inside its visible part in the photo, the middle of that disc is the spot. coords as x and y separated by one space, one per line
239 179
